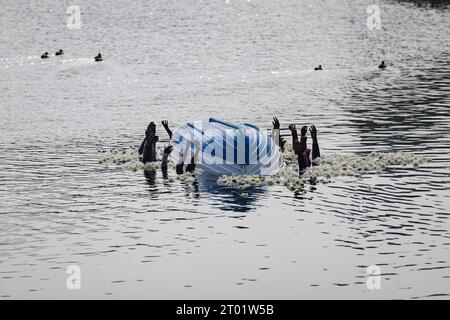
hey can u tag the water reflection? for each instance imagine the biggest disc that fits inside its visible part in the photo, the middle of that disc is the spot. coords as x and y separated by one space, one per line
150 179
229 199
203 186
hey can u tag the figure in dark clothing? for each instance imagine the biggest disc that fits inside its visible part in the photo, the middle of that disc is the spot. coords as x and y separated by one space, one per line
148 146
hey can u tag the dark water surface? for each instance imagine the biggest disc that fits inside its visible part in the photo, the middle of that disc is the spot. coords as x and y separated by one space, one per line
136 236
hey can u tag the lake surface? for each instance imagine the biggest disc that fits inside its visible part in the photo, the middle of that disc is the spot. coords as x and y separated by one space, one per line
134 235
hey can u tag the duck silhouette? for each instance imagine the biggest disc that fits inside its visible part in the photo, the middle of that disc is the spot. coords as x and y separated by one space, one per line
98 57
382 65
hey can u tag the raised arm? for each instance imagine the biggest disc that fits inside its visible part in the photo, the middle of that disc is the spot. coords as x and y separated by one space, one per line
165 124
165 157
303 161
303 155
303 139
315 143
149 150
295 143
141 147
275 134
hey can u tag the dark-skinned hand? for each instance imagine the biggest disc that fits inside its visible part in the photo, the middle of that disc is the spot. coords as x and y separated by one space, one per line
304 130
276 123
292 127
168 149
313 131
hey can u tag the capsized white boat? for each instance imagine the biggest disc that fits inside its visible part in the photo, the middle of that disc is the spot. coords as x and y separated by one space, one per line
225 148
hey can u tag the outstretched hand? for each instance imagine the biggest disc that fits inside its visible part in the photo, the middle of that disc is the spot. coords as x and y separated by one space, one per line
276 123
292 127
313 131
165 124
168 149
304 130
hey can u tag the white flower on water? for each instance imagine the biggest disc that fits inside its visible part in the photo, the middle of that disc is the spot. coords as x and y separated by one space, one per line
327 168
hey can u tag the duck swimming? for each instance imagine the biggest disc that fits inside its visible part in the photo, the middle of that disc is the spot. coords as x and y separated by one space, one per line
45 55
59 52
382 65
318 68
98 57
